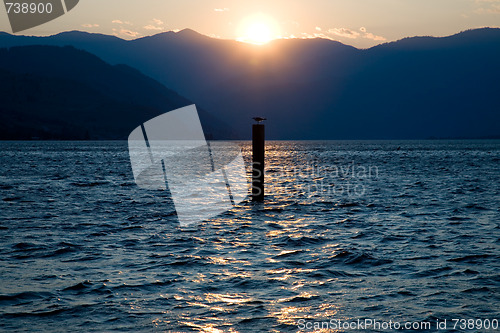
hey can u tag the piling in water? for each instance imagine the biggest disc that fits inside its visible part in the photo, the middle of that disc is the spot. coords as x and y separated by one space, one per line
258 146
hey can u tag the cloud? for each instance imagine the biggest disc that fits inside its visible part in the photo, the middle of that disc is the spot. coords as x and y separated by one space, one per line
371 36
155 24
489 7
348 33
305 35
344 32
494 9
221 10
130 33
121 22
89 25
152 27
125 32
337 34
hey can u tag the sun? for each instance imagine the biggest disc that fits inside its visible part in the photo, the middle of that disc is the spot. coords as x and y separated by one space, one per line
258 29
259 33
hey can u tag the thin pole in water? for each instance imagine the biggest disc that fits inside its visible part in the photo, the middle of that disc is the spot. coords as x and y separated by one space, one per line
258 149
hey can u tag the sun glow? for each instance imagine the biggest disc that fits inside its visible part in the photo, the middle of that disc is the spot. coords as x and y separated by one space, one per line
258 29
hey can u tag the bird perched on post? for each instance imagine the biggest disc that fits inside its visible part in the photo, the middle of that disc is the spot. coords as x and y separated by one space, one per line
259 119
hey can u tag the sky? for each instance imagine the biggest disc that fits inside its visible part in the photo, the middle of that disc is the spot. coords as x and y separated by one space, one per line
361 23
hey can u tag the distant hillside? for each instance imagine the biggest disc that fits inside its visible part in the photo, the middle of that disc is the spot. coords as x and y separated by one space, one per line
414 88
50 92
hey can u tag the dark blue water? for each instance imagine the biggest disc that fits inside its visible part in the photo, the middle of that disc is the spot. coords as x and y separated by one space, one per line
401 231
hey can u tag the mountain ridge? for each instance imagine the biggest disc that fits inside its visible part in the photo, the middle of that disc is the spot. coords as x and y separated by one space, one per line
85 98
188 31
337 91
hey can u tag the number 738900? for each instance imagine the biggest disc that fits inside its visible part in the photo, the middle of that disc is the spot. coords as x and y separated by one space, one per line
28 8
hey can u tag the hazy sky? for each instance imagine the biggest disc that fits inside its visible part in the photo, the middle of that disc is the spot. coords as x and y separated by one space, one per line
361 23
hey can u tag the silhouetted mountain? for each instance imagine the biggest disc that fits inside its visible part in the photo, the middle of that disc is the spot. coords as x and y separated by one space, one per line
62 93
320 89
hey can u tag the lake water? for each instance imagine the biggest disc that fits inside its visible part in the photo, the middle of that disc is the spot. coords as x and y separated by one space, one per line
390 231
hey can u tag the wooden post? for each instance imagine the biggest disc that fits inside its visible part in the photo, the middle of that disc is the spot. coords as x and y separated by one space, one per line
258 147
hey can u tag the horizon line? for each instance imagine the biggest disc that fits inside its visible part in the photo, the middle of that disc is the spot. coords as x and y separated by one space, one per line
316 37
